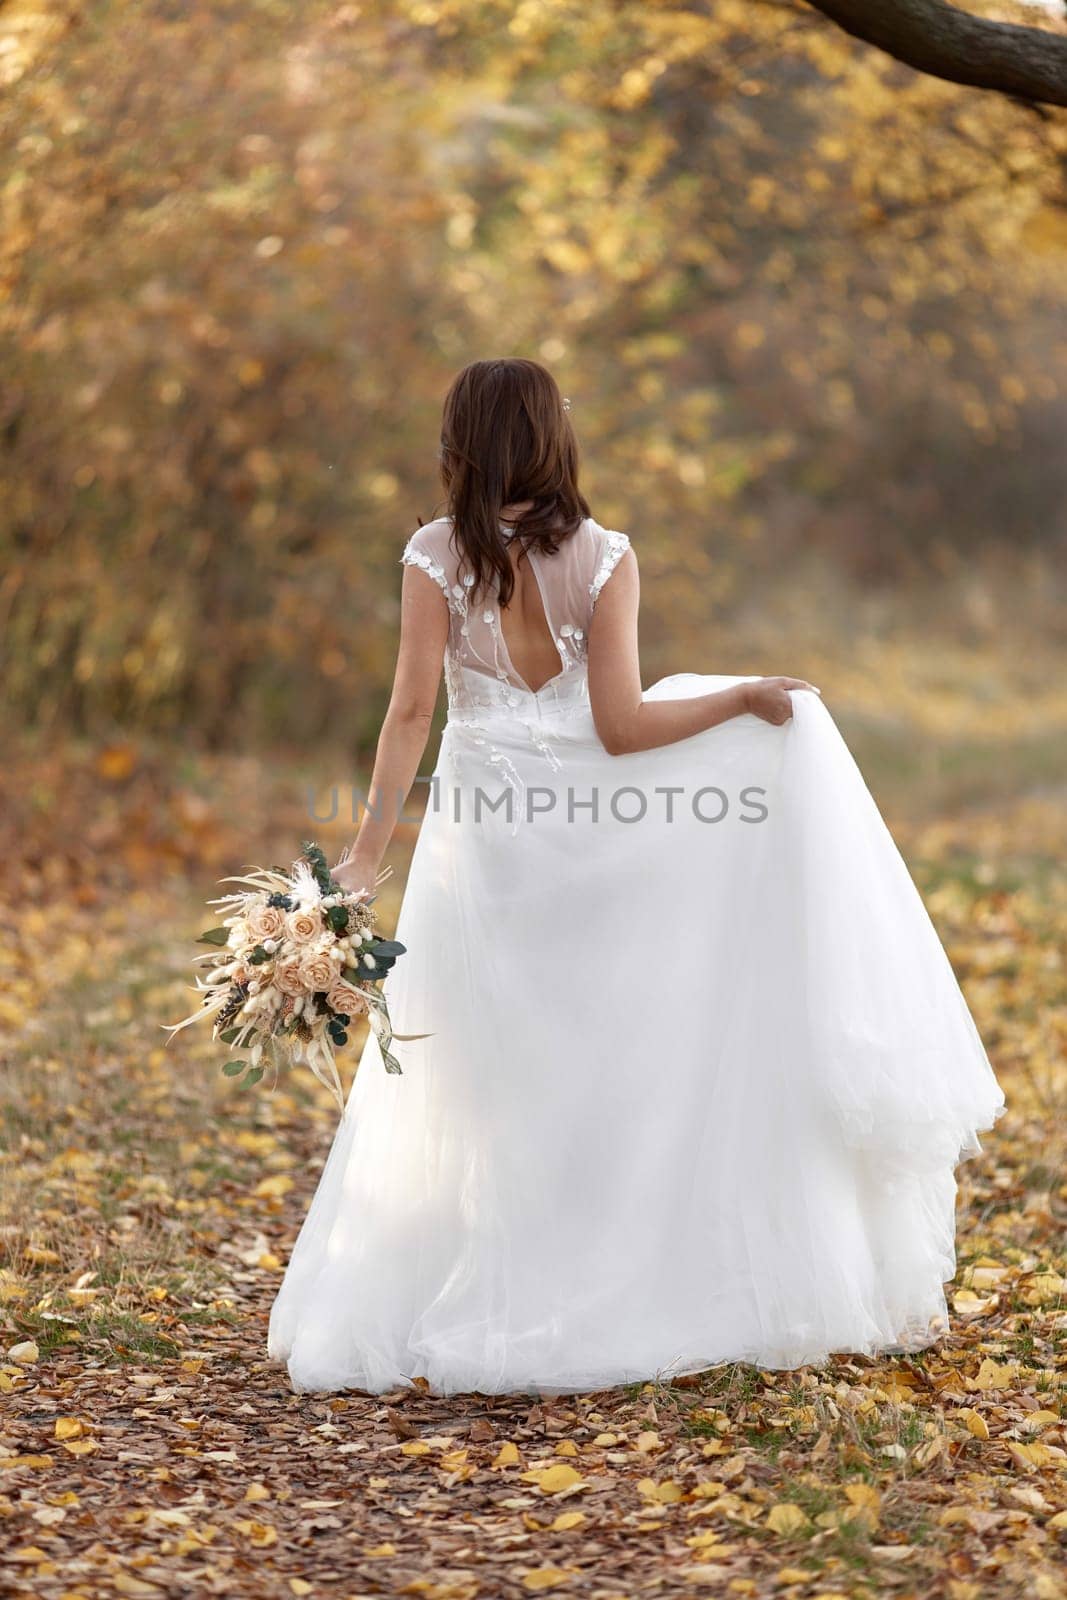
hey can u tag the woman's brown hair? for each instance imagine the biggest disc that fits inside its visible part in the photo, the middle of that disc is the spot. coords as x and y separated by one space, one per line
506 437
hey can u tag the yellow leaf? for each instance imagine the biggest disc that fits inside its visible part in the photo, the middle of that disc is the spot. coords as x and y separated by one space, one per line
990 1375
261 1534
376 1550
69 1427
26 1461
269 1262
41 1256
566 1447
968 1304
1029 1456
80 1447
647 1442
507 1455
863 1494
1037 1421
25 1353
668 1492
928 1451
553 1480
257 1491
547 1577
125 1584
567 1519
974 1422
1043 1288
794 1575
414 1447
786 1518
299 1586
1058 1521
274 1187
115 762
701 1541
29 1553
953 1514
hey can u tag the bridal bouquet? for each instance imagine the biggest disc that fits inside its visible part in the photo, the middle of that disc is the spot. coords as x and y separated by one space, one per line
295 959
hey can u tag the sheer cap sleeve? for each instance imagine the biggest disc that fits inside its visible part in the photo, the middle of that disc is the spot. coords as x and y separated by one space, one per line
428 548
613 546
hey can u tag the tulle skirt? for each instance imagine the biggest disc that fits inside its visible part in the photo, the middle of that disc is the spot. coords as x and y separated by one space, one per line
698 1079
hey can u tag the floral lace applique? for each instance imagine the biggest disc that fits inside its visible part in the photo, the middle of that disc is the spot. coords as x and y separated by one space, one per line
617 544
434 569
571 646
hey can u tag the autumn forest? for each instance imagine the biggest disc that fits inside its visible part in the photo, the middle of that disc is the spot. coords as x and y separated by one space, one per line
807 303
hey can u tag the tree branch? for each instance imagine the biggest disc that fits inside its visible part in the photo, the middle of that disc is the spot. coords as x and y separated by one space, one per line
937 38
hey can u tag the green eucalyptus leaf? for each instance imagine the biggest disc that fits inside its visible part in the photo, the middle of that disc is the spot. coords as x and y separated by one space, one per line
214 936
232 1068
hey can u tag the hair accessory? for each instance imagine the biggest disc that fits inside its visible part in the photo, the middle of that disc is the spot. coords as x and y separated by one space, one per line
566 403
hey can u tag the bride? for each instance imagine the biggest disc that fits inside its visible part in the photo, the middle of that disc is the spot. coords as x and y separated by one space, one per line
697 1072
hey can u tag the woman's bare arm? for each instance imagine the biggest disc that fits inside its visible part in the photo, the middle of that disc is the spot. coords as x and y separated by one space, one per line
625 722
406 728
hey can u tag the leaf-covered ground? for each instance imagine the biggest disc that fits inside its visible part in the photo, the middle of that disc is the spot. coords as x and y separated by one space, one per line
148 1448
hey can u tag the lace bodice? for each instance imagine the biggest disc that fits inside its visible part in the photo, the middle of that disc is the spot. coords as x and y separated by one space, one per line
479 671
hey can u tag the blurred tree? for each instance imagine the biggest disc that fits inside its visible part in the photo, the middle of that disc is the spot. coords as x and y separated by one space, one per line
800 299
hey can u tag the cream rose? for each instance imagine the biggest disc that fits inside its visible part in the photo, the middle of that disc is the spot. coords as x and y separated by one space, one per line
266 922
289 976
347 999
303 926
318 972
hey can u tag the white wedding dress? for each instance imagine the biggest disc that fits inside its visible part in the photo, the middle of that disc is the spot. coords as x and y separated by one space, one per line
699 1071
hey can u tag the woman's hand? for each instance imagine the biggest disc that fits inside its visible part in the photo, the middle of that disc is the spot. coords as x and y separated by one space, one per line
354 875
769 697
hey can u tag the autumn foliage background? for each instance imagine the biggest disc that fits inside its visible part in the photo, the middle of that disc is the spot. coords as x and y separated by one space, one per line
808 308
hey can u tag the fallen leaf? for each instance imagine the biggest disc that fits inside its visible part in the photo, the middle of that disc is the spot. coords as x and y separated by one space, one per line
567 1520
547 1577
554 1480
786 1519
973 1421
668 1492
